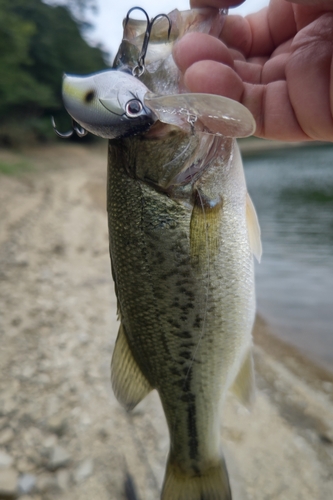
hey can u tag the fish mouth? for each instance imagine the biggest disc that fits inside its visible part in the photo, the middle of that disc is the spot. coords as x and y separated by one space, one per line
192 172
195 161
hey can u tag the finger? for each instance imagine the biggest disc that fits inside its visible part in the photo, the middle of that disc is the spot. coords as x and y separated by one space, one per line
284 48
248 72
214 78
236 55
257 60
218 4
273 112
270 71
260 33
236 33
306 14
318 3
308 73
270 104
194 47
281 23
274 69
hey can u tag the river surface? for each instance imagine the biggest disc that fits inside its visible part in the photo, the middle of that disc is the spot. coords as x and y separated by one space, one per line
292 190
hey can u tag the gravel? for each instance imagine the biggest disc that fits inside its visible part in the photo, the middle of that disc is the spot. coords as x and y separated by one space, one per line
8 483
62 433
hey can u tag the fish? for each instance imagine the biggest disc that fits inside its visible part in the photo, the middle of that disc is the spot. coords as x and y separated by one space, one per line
183 231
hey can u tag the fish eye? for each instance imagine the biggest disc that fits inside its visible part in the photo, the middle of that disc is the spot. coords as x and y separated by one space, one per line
133 108
89 96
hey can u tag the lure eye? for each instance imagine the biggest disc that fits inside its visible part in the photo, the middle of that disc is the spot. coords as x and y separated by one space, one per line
89 96
133 108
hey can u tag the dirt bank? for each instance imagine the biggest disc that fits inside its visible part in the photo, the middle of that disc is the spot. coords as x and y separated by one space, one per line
62 433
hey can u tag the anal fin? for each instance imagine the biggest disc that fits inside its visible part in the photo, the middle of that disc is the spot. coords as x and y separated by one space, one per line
128 382
244 384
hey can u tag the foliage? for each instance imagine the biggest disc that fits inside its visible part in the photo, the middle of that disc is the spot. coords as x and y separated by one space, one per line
78 9
38 42
8 168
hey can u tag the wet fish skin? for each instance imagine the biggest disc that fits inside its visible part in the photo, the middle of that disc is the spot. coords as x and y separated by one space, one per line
183 270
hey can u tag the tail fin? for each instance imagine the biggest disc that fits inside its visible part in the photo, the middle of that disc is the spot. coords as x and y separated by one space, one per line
213 484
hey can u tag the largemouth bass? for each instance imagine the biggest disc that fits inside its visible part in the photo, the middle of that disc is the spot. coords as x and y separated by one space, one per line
183 231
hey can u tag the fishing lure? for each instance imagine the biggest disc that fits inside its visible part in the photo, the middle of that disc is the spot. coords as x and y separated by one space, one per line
115 103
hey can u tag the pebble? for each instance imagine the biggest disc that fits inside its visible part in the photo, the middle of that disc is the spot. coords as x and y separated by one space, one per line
22 260
7 406
53 405
83 338
85 419
27 483
59 457
24 465
8 483
57 425
63 479
3 422
50 442
43 379
328 387
46 482
103 433
28 371
5 460
84 470
6 436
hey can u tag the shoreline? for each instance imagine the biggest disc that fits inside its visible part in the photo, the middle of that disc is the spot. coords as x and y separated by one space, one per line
290 356
253 146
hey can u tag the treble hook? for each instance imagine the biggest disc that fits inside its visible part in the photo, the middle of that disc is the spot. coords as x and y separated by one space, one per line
139 69
76 127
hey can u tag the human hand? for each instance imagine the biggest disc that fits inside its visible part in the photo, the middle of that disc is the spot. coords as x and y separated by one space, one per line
277 62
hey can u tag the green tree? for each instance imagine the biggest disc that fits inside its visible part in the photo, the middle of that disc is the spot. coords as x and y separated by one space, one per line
38 43
18 87
78 9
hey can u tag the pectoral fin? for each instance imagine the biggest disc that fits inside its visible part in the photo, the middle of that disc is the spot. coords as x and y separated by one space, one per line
128 382
253 228
204 233
244 384
212 114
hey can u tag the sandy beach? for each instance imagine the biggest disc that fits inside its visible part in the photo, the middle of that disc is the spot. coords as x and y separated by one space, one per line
63 435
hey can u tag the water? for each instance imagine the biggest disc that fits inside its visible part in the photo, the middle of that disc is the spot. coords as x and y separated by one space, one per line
293 194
